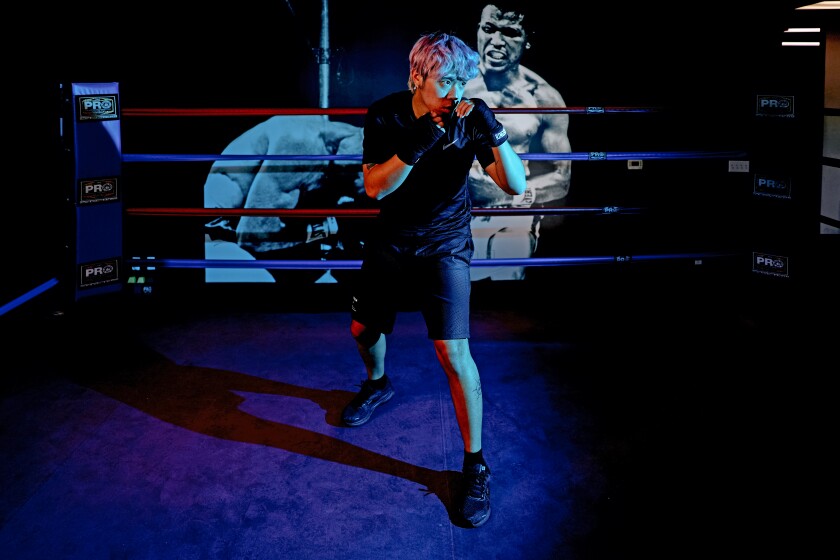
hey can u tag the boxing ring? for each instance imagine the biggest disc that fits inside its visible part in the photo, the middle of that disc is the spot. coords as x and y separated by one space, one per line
91 132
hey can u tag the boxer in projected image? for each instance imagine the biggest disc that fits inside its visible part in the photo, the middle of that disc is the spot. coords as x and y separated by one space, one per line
281 184
504 82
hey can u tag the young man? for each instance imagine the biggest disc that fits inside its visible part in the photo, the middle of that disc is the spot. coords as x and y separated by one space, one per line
503 82
418 148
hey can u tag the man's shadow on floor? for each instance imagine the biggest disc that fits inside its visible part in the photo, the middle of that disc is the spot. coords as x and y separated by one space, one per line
204 400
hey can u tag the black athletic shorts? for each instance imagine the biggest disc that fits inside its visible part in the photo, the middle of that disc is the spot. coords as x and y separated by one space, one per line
432 276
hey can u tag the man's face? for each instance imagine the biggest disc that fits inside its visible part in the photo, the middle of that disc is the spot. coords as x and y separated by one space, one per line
501 38
439 93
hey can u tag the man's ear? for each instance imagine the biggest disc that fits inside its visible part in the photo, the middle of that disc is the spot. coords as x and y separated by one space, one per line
417 79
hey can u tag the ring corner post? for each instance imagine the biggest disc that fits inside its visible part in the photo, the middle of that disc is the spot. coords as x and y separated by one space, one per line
92 140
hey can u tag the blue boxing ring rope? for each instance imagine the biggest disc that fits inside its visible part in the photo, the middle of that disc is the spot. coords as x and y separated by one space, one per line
356 264
549 156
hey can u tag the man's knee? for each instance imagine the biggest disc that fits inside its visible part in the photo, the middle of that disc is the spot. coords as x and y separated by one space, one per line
365 337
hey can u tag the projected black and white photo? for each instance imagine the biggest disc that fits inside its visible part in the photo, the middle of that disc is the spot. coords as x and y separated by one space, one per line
499 31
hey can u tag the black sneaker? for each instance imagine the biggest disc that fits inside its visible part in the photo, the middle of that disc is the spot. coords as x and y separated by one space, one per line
475 507
363 404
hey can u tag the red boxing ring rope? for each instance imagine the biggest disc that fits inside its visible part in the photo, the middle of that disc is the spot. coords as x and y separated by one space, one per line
366 212
265 112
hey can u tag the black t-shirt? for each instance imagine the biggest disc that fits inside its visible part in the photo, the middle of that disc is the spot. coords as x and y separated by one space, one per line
434 199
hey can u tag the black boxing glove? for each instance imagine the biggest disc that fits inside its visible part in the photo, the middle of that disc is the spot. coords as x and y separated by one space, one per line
489 129
418 139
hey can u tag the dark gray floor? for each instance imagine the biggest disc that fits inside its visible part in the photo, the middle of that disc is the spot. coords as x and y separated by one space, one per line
625 421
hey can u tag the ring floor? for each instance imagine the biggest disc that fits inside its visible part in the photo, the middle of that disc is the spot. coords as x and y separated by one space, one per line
664 427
